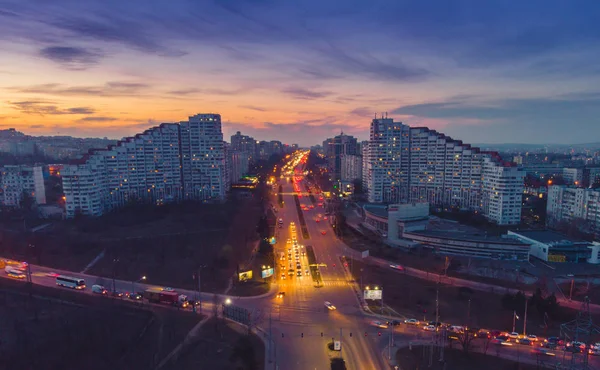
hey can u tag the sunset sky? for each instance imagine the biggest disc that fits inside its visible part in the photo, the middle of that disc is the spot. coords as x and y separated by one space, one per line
301 70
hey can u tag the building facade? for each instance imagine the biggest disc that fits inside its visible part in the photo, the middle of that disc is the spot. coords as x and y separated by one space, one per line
570 204
418 165
168 163
18 182
351 168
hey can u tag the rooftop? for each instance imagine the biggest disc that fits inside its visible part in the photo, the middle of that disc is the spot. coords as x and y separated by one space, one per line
546 236
454 235
376 209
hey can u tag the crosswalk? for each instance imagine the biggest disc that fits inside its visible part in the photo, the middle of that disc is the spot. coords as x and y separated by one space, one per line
310 282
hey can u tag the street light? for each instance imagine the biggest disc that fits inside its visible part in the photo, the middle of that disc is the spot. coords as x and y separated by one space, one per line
137 281
228 301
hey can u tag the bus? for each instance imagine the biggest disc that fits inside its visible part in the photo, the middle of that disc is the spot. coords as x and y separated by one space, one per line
70 282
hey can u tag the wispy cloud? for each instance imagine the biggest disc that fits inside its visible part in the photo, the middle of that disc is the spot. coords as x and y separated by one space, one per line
74 58
252 107
306 94
42 108
97 119
110 89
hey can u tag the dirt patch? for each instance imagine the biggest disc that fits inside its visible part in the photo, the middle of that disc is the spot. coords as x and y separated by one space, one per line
416 298
418 358
222 345
56 328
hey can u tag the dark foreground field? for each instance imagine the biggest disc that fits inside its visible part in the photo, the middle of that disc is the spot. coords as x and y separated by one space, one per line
60 329
418 358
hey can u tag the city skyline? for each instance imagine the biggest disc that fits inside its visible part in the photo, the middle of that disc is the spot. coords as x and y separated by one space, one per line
484 73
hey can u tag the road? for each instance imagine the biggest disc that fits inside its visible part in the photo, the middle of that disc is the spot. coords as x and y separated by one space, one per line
307 326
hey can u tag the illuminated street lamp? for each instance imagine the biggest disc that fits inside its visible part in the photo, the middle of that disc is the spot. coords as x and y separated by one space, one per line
137 281
228 301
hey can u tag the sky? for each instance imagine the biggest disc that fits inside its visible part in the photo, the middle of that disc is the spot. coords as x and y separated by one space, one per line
300 71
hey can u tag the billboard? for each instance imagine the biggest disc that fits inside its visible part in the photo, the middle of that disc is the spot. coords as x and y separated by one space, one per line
267 272
245 275
372 294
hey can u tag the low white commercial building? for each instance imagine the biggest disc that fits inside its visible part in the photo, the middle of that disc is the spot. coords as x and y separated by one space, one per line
551 246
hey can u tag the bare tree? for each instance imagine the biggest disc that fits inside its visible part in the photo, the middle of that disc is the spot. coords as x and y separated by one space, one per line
487 340
466 340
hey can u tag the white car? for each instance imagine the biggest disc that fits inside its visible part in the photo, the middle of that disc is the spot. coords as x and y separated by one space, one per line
532 337
513 335
429 328
379 324
411 322
329 305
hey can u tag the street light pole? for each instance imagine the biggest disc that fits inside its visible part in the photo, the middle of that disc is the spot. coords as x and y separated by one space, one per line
514 320
525 318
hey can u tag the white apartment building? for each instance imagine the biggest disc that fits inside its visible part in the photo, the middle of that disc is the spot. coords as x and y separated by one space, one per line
573 176
203 158
418 165
164 164
19 180
387 162
571 204
502 191
239 165
351 168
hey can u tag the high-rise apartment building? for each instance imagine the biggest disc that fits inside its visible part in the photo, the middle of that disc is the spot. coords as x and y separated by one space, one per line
17 182
568 204
351 168
335 149
413 165
203 158
168 163
244 143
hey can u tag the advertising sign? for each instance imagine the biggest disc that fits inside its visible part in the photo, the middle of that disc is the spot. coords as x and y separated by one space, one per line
337 345
267 272
372 294
245 275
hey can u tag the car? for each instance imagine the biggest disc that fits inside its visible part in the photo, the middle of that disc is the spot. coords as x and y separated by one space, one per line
312 207
329 306
379 324
429 328
16 275
513 335
134 296
456 329
411 322
306 272
99 289
504 338
393 323
52 274
524 341
325 218
323 232
283 276
317 220
291 272
299 273
280 294
532 337
555 340
117 294
397 267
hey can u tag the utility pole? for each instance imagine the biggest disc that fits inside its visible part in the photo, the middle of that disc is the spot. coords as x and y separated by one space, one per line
390 342
469 313
340 342
270 334
514 320
199 289
571 290
525 318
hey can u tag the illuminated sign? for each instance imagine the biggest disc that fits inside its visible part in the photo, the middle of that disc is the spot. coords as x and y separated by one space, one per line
557 258
267 273
245 275
373 294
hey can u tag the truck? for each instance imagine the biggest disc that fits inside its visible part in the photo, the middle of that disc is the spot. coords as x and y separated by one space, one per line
157 295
